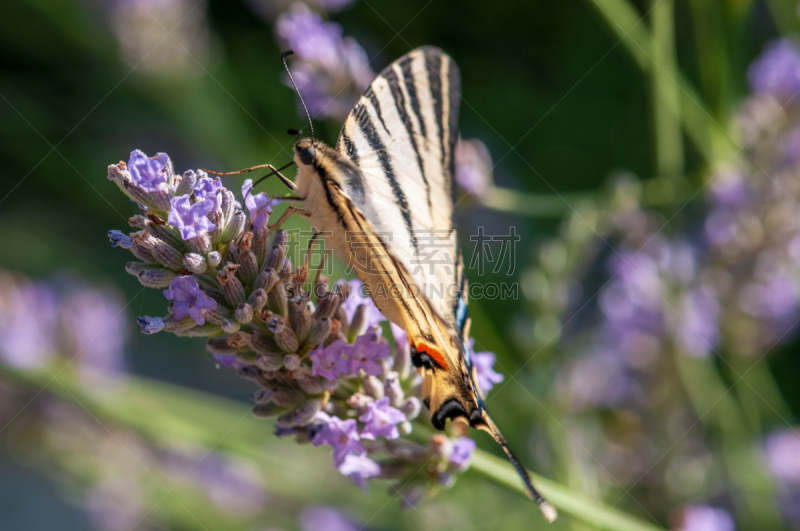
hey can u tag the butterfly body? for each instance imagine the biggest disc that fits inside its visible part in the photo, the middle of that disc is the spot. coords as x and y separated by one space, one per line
383 200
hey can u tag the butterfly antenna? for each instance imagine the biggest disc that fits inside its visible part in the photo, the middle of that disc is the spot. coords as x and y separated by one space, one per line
308 115
548 510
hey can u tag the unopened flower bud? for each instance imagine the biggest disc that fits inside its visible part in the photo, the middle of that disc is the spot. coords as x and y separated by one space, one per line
359 402
276 299
266 280
145 255
232 288
284 336
393 389
156 278
168 256
216 217
165 233
195 263
188 180
120 239
134 268
206 329
138 221
275 258
214 258
249 373
218 345
262 396
243 313
281 238
402 361
217 314
302 320
171 325
257 299
260 244
286 395
300 416
150 325
230 326
359 323
269 410
249 269
264 345
319 332
411 407
239 340
226 205
235 227
291 362
373 387
404 427
311 384
326 306
200 244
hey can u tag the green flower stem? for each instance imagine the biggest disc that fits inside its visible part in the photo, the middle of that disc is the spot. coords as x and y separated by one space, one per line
592 512
758 392
626 23
527 204
718 410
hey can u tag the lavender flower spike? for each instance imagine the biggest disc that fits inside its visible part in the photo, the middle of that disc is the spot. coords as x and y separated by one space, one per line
259 205
381 420
189 299
191 219
150 325
208 188
484 367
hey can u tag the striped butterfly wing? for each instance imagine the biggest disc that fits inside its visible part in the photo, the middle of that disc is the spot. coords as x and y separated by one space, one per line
402 135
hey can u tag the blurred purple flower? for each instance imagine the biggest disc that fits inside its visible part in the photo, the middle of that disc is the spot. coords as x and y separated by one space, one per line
462 452
359 469
191 219
381 420
705 518
720 227
774 299
232 485
728 188
782 453
189 299
343 436
259 205
484 367
228 360
356 299
95 324
318 517
148 173
366 352
698 328
309 35
330 361
777 70
28 324
473 166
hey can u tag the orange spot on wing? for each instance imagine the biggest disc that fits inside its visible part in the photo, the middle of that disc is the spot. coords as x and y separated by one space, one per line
430 351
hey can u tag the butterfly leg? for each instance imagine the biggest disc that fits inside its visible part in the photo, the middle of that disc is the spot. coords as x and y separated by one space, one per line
289 184
286 215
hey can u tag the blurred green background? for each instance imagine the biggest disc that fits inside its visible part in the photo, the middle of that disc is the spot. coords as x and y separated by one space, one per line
556 90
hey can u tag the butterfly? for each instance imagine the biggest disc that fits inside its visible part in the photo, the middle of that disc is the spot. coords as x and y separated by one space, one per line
383 199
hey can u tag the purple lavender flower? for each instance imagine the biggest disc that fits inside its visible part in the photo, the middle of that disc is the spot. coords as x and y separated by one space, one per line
381 420
720 227
330 361
782 453
359 469
462 452
228 360
698 329
232 484
28 321
148 173
189 299
484 367
366 352
705 518
316 517
190 219
356 298
775 298
777 70
208 188
259 205
150 325
728 188
473 166
342 435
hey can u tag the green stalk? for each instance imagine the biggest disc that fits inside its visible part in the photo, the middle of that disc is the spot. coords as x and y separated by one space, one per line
592 512
665 99
717 409
526 204
784 14
710 139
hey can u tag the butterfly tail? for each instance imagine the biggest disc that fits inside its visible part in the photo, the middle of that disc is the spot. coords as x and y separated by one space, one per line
548 510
